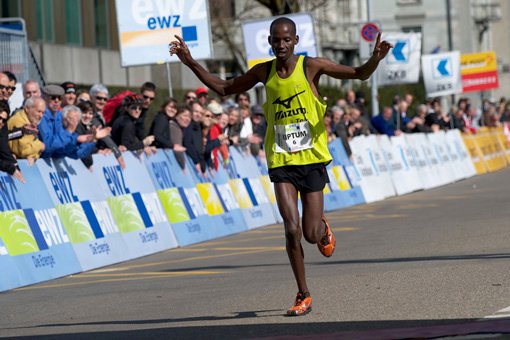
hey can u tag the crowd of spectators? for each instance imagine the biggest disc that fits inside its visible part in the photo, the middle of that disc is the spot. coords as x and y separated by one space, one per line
348 118
64 121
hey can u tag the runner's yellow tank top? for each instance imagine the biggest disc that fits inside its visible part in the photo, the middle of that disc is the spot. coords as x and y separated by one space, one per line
296 134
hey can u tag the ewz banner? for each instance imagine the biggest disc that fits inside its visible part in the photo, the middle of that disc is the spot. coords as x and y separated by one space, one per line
84 212
34 244
346 175
197 211
248 190
134 203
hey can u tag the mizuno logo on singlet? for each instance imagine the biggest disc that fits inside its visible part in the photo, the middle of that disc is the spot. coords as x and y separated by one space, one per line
286 102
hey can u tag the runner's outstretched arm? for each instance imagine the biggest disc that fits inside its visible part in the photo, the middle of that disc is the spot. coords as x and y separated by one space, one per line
223 87
363 72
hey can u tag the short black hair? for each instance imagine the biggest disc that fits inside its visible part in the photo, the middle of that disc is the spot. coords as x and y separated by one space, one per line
10 75
4 106
148 86
283 21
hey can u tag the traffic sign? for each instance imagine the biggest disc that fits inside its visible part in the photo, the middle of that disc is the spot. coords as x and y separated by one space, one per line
369 31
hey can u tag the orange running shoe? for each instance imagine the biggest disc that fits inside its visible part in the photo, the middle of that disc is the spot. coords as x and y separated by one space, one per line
302 305
327 244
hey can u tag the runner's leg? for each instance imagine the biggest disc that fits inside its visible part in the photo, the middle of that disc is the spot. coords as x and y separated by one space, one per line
286 197
313 208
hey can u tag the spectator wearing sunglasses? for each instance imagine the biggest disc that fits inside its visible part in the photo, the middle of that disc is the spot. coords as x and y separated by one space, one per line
51 129
124 128
148 91
12 83
99 96
69 97
7 161
190 97
4 87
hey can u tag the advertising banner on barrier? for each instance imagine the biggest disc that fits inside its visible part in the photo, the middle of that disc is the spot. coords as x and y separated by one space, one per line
346 175
379 162
34 245
441 74
149 26
84 212
248 190
405 178
452 158
436 143
491 150
475 154
269 187
134 203
402 64
413 150
408 178
196 213
370 182
454 139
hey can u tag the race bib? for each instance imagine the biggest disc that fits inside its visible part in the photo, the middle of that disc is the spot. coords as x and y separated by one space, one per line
293 137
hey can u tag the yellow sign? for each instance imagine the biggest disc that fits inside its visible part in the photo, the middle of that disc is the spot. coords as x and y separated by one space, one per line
478 63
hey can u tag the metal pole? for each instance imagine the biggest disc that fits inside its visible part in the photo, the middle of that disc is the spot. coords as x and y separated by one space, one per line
373 78
450 42
170 92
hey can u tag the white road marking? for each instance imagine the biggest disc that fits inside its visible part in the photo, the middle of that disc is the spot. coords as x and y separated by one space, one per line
502 313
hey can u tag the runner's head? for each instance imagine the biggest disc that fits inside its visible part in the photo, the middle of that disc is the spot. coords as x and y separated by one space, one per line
283 37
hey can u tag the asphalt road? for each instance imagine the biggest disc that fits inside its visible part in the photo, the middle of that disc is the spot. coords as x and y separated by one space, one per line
428 264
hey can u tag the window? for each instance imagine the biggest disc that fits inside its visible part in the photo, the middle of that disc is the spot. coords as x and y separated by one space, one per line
45 30
408 2
101 23
73 21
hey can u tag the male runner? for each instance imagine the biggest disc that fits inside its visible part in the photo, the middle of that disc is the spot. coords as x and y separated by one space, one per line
296 139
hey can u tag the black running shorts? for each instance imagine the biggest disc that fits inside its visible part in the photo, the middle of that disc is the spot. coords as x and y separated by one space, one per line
305 178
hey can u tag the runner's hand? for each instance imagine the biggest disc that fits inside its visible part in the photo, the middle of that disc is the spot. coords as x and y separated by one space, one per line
180 48
381 49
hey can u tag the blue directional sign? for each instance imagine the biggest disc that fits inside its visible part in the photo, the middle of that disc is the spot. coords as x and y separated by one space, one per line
400 52
441 68
397 51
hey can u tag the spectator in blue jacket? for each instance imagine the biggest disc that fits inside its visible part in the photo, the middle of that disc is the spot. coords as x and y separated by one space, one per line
51 124
383 122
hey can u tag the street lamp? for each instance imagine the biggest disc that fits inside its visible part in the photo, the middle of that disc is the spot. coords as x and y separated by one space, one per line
484 13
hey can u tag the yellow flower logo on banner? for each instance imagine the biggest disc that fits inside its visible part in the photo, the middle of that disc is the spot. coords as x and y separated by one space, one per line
210 197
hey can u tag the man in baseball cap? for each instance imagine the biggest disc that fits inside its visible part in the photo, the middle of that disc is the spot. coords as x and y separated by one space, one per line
69 93
202 94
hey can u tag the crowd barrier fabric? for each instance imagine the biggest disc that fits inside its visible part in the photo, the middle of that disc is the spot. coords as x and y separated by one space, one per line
475 154
245 182
426 160
380 163
441 173
404 177
447 159
346 175
504 138
84 212
457 146
491 150
34 245
400 176
268 186
134 204
372 181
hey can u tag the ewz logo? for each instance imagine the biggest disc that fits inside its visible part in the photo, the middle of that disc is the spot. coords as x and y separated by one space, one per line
400 53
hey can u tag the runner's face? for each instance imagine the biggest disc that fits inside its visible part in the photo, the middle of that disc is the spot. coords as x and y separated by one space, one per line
282 41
